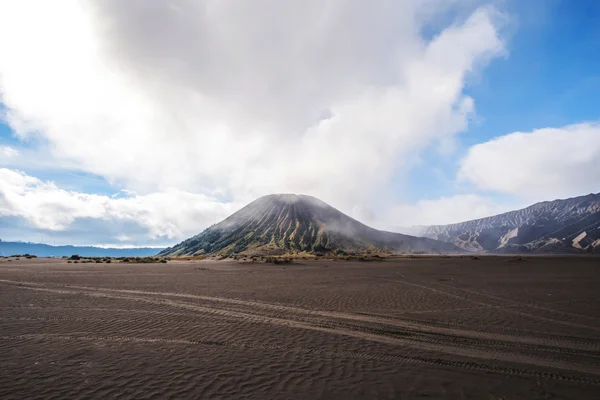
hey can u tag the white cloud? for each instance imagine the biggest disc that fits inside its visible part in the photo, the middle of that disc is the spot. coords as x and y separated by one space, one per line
173 214
238 99
543 164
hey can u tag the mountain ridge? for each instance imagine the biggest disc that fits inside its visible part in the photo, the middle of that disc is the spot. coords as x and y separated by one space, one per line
290 223
569 225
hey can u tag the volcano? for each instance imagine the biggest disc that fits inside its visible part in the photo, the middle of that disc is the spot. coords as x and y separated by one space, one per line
290 223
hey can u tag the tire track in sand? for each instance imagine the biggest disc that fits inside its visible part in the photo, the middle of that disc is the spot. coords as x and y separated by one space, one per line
366 318
447 345
362 318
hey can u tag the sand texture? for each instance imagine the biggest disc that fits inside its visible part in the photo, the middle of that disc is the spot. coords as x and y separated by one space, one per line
429 327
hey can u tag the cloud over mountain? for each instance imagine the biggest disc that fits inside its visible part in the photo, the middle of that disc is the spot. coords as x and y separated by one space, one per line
239 100
543 164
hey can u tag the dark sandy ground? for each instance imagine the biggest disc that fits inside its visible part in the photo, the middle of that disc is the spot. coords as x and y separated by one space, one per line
492 328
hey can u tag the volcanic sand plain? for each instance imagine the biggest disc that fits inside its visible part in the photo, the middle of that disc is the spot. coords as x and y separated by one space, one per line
426 327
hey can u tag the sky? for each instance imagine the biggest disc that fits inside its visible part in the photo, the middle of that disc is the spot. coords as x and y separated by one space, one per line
142 123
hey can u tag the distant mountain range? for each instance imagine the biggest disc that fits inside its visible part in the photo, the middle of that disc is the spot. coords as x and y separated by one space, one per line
559 226
288 223
45 250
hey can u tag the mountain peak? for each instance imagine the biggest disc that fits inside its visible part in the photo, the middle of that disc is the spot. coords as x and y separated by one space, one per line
290 198
295 223
285 196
